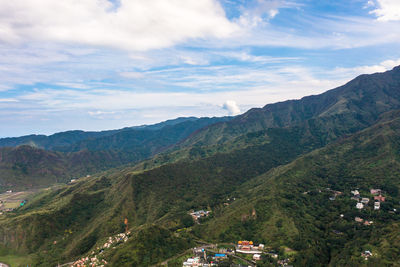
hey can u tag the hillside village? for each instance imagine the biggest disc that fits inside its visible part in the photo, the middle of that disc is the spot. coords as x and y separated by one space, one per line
244 253
248 253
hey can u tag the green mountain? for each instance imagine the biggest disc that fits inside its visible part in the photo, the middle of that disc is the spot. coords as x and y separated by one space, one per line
271 175
27 167
343 110
290 206
63 140
78 153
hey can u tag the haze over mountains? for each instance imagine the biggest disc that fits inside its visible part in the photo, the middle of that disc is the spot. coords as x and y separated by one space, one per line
267 175
36 160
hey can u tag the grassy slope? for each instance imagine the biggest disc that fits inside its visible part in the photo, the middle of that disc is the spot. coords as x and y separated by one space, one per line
346 109
163 195
79 216
284 216
269 208
26 166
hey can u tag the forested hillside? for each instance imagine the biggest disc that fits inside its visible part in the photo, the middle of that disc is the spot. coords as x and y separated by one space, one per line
281 176
37 161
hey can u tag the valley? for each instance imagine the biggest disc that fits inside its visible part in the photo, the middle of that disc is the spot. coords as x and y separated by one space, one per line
294 183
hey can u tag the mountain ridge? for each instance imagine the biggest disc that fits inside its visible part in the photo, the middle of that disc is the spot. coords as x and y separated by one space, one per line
349 97
266 176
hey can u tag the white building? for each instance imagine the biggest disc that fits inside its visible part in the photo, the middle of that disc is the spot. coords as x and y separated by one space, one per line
256 257
192 262
377 205
360 205
365 200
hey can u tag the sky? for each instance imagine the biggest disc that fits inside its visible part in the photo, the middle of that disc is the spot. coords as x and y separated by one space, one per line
107 64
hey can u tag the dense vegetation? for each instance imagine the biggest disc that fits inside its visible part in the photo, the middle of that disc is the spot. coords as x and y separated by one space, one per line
268 176
36 160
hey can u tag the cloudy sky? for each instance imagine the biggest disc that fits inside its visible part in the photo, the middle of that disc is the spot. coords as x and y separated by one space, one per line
104 64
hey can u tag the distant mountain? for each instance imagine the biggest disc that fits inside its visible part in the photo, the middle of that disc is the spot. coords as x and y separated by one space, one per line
343 110
78 153
287 207
271 175
145 141
64 139
25 167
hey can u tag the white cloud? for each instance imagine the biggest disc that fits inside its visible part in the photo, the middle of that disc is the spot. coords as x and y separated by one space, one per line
133 25
7 100
367 69
387 10
259 12
132 74
231 107
99 112
252 87
370 3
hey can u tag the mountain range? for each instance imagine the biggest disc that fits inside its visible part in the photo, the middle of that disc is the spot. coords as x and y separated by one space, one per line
38 160
280 175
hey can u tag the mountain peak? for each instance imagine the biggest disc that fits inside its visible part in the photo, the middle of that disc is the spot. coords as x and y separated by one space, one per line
397 68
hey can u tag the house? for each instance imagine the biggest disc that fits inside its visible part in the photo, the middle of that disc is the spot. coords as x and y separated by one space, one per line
200 213
358 219
360 205
192 262
220 256
368 222
256 257
245 245
355 193
366 254
365 200
260 246
379 198
377 205
375 191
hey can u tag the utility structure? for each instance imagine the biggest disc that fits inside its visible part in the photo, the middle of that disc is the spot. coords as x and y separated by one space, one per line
126 225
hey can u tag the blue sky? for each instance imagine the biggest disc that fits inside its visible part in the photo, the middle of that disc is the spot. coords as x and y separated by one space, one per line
99 64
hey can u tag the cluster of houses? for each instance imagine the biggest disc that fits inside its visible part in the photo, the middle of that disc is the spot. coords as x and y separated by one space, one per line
122 237
248 247
378 198
200 258
195 261
196 215
360 220
95 258
87 261
363 201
